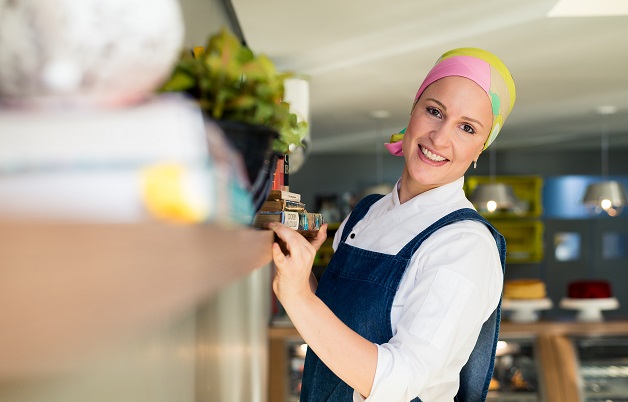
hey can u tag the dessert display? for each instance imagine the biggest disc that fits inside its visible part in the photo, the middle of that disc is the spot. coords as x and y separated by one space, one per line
589 289
524 289
525 297
589 297
515 371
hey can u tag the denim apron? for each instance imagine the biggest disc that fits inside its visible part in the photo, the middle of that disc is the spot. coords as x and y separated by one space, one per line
359 287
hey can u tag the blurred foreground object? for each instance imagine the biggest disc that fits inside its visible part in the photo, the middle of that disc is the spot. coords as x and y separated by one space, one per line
73 291
247 97
103 52
232 83
97 166
94 170
297 94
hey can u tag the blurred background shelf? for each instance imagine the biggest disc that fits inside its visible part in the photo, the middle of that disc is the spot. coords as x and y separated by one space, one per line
522 228
524 239
527 189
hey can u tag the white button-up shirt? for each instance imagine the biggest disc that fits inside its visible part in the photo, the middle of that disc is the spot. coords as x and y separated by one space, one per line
452 285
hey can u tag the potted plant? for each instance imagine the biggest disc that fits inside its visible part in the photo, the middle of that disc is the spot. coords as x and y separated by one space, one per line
243 93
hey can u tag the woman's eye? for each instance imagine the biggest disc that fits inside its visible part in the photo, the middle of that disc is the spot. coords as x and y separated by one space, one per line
469 129
433 111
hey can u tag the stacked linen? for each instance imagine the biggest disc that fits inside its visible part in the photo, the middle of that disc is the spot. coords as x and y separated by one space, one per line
154 160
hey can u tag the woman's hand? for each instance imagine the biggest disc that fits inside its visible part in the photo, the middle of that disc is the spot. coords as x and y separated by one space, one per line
317 241
294 264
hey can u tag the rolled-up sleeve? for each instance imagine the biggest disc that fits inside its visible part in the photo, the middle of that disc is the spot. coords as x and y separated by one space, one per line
457 282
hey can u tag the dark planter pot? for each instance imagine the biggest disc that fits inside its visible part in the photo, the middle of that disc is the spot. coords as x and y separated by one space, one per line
255 144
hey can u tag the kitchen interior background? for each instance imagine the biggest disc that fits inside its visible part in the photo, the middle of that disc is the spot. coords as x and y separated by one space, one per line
339 176
219 350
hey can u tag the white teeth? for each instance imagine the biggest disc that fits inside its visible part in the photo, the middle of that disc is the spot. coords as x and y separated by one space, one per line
431 156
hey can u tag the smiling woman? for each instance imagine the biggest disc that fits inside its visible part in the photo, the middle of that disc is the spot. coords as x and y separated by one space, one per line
481 67
410 301
444 137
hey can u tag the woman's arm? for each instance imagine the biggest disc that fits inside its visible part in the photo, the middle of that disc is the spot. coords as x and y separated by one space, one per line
351 357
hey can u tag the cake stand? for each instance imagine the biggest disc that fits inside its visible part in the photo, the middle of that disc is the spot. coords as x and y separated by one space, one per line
590 310
526 310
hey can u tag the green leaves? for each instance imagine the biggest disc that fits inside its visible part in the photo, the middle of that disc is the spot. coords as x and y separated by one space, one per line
180 81
231 83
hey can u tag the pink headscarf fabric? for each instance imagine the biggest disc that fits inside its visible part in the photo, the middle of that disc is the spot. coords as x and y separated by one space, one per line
483 68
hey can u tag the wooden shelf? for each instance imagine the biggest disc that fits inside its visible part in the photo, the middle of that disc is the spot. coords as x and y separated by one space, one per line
68 289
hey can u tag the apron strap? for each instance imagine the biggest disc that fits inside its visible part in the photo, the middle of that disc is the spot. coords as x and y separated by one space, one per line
476 374
358 213
459 215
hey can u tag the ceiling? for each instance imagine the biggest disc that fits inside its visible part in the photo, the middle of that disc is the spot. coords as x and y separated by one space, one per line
363 56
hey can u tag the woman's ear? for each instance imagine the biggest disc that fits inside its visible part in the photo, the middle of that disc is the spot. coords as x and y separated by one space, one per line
478 155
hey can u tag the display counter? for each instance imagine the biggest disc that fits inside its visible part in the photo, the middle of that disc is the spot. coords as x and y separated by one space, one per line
536 362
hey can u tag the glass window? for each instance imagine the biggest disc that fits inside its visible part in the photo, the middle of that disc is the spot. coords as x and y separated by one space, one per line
567 246
613 245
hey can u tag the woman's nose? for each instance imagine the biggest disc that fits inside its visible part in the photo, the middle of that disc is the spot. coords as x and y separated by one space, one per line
441 135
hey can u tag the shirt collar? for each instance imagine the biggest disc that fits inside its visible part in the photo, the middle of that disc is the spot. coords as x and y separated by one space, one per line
445 194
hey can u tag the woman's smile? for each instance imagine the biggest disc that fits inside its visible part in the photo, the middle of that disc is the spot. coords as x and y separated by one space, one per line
431 157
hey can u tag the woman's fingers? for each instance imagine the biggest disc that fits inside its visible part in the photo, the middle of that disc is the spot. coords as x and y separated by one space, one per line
296 246
284 238
293 256
278 255
283 232
317 241
289 236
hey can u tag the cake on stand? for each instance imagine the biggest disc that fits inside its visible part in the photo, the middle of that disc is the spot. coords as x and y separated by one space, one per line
526 310
590 310
525 298
590 298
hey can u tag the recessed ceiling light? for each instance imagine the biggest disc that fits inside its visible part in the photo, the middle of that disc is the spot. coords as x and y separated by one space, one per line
380 114
606 109
589 8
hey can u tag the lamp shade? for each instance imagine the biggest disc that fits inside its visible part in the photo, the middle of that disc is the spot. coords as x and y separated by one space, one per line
607 195
297 94
495 196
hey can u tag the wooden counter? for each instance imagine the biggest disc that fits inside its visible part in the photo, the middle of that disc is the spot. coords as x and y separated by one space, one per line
516 329
67 289
556 353
565 328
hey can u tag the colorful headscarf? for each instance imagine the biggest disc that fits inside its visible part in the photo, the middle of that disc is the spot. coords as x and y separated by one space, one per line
483 68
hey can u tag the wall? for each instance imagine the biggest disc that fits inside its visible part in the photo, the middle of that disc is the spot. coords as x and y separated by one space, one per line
202 18
335 174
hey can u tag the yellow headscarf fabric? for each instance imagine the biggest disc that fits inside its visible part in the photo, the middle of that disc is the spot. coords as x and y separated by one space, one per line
486 70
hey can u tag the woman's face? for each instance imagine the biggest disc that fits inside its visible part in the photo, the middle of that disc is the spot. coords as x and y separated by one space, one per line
446 133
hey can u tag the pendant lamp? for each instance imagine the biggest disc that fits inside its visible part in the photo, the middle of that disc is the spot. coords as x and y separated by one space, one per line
608 195
494 196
